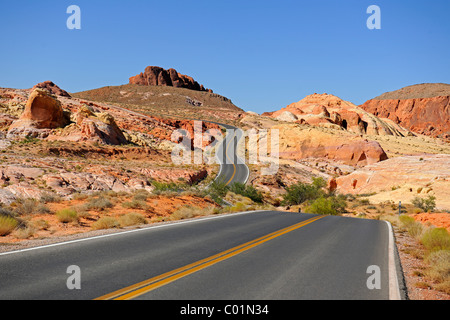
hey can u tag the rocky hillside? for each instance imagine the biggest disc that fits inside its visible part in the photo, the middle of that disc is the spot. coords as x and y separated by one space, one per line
423 108
326 110
167 102
65 145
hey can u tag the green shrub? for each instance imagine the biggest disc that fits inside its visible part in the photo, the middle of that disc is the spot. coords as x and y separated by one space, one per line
105 223
67 215
301 192
216 190
331 205
427 205
435 239
160 187
7 225
247 191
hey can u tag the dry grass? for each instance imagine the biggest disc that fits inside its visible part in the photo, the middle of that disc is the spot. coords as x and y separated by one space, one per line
435 253
67 215
132 219
187 212
105 223
7 225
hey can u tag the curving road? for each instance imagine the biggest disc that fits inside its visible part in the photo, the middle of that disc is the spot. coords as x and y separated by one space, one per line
232 167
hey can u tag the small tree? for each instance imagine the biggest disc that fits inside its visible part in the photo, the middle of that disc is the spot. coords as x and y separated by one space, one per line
301 192
427 205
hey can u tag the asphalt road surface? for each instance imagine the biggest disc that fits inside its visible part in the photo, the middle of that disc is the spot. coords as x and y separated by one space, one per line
232 167
254 255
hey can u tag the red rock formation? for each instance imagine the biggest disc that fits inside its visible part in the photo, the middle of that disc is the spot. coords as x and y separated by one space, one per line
51 88
157 76
42 111
331 111
298 143
429 116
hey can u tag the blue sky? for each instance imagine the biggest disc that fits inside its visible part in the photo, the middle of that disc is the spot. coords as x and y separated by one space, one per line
261 54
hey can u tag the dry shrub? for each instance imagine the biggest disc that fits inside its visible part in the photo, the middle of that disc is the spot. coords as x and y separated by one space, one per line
7 225
67 215
105 223
132 219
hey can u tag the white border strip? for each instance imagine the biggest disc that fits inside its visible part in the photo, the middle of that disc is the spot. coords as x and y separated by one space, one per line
394 289
129 231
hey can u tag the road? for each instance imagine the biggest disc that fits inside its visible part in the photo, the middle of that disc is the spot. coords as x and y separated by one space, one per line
255 255
232 167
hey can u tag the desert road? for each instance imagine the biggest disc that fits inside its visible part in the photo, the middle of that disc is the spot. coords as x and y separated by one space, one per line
252 255
232 168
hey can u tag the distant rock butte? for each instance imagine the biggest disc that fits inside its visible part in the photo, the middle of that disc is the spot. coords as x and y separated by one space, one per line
424 109
327 110
157 76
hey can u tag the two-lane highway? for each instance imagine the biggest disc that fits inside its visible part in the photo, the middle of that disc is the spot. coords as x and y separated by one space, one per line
257 255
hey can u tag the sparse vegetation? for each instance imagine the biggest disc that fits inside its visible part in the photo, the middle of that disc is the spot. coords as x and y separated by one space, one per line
7 224
301 192
131 219
435 239
106 222
435 252
331 205
67 215
427 205
247 191
99 203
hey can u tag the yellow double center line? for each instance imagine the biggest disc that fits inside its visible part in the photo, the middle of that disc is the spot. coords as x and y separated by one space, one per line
145 286
232 162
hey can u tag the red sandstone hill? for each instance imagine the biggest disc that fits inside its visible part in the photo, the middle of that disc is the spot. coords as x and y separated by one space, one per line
422 108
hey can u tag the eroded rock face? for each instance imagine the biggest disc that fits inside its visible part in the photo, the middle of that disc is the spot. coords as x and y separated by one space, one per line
429 116
42 111
298 143
400 179
157 76
326 110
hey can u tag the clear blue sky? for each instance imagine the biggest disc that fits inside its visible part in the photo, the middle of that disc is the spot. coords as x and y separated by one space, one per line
261 54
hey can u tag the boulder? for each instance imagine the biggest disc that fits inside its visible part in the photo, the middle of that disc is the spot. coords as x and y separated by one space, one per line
42 111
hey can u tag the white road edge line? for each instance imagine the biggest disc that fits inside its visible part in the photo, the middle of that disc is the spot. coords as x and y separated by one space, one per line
394 289
129 231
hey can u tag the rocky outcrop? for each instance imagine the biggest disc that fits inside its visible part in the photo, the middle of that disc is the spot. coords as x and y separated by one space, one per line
429 116
326 110
42 111
296 142
51 88
400 179
157 76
